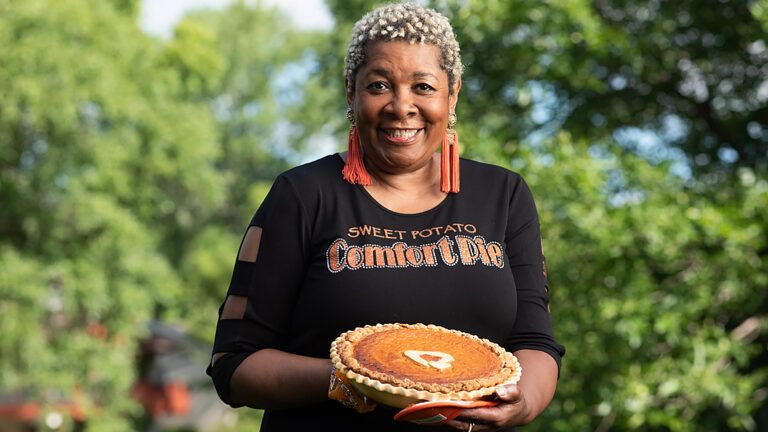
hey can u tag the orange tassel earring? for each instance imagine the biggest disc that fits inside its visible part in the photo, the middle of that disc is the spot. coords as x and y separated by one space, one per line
354 169
449 158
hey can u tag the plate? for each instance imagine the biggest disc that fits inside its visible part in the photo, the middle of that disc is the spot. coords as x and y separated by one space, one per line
438 412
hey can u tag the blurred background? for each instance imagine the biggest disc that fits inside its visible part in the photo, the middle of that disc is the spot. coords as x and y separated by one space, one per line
137 138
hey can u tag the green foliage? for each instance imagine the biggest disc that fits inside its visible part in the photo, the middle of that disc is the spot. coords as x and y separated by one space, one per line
101 173
246 65
650 286
129 168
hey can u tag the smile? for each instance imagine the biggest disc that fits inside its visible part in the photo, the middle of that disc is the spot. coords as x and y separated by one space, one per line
400 135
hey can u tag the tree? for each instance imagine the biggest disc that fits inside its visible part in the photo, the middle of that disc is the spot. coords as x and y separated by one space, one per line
656 293
100 166
252 69
128 170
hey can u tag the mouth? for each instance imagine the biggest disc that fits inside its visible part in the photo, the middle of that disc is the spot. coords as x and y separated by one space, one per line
401 135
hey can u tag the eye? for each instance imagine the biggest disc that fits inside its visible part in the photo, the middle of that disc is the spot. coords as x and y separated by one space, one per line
424 88
377 86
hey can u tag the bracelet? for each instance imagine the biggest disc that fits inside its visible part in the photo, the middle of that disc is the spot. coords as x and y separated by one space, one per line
340 389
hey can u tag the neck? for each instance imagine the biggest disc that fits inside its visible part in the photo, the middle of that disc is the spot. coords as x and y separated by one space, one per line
423 179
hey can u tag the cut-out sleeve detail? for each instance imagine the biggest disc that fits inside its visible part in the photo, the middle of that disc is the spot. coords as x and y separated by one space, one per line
533 326
234 307
267 276
249 250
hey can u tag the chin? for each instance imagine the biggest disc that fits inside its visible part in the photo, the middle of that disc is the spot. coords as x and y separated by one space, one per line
404 164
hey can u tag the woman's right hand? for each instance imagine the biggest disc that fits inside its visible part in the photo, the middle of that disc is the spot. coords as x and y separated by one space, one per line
512 411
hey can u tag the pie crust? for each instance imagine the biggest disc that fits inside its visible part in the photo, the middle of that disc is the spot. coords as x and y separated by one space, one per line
418 362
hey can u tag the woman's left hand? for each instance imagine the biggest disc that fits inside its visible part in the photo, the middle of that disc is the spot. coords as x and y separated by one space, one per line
512 411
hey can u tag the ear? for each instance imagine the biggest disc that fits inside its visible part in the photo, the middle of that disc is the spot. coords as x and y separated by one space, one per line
453 99
350 93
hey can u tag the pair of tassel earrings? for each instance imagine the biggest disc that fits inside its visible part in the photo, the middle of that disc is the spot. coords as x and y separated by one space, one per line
354 170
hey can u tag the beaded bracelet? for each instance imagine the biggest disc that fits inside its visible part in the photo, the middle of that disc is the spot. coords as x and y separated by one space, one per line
340 389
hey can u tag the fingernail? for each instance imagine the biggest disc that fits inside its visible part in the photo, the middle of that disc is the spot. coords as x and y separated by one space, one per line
502 391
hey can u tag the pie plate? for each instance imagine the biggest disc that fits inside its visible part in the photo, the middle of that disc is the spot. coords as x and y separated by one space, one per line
390 396
438 412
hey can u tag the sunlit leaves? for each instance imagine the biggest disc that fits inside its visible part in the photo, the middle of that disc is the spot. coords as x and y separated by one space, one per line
103 169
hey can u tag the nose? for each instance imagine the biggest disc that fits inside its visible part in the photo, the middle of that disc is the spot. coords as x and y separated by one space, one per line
402 103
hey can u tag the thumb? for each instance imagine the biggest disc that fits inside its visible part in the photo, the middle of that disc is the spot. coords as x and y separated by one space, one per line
509 393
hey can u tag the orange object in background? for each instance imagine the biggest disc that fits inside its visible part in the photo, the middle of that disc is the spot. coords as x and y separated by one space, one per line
172 398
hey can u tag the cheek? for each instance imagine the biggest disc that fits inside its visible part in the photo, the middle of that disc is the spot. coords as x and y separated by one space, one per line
367 113
436 112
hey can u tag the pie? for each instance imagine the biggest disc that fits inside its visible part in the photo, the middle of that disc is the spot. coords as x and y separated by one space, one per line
399 364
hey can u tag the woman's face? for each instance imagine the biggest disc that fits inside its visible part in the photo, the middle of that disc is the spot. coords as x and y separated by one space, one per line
401 101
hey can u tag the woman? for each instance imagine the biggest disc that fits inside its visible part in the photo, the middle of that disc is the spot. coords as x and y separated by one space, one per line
293 292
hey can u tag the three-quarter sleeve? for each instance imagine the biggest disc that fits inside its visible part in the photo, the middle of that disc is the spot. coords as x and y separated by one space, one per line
533 325
268 286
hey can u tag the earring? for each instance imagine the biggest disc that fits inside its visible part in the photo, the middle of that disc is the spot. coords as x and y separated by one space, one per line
354 169
449 157
351 117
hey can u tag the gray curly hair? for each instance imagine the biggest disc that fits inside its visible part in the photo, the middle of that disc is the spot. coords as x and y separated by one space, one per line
408 22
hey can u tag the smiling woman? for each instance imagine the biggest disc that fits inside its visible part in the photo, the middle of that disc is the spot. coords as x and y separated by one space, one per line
383 234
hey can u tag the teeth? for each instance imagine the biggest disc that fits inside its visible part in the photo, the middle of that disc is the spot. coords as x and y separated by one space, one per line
401 133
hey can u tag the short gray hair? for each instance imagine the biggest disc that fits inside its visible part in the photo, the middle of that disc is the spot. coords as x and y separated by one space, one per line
407 22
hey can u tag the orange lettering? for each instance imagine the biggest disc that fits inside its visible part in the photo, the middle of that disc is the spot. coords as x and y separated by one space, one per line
481 248
335 256
467 250
496 254
379 256
355 257
414 256
444 244
428 250
399 248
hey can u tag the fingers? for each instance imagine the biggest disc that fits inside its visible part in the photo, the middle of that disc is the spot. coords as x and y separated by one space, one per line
469 426
509 393
481 420
510 411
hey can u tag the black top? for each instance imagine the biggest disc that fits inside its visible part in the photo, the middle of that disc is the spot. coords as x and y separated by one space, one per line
331 259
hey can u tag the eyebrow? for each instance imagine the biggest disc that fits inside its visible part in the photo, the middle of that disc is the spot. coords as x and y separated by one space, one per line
415 75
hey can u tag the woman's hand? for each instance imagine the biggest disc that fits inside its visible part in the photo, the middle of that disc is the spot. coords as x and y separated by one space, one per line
512 411
520 403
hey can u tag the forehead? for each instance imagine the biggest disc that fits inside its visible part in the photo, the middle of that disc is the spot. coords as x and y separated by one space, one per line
400 56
